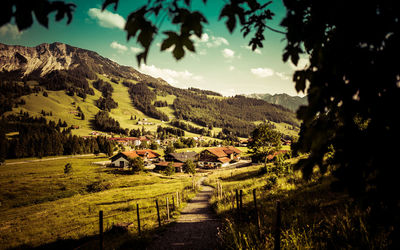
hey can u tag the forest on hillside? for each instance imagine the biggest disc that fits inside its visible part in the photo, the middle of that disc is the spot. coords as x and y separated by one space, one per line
236 114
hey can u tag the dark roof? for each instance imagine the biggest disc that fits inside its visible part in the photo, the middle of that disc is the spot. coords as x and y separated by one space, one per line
184 156
165 163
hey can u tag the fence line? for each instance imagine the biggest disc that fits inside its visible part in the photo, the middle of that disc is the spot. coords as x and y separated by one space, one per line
237 197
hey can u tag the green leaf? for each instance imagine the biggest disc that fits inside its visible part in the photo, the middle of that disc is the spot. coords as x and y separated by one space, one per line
5 12
170 41
178 51
108 2
189 44
23 16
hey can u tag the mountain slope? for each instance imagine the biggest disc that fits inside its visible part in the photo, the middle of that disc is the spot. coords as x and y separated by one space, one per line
46 58
285 100
61 78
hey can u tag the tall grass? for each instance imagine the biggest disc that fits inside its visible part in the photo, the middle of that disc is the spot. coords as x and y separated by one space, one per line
312 215
41 204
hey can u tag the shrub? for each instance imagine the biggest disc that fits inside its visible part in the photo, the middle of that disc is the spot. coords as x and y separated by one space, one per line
67 168
170 170
98 186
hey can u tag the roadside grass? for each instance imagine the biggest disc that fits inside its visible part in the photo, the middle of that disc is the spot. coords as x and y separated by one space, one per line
41 205
313 216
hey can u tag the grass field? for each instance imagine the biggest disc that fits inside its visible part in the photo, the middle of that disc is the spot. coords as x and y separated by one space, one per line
42 205
312 215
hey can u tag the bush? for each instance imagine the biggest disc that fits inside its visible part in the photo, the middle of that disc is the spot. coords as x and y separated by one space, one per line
189 167
170 170
136 164
68 168
98 186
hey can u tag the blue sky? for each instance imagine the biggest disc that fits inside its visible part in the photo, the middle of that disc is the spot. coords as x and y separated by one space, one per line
222 62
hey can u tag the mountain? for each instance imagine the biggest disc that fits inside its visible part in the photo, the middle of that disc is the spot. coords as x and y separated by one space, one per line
47 58
92 92
285 100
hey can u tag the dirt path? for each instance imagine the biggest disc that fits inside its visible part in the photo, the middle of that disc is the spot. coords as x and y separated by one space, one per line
196 228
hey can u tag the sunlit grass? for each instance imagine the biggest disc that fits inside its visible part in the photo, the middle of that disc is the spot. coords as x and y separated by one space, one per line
41 204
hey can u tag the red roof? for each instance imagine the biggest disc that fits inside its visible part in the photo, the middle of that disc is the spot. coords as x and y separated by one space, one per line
224 151
224 159
272 156
141 153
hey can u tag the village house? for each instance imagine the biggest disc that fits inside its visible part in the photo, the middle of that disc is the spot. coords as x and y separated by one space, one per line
129 141
122 159
162 166
182 157
220 156
272 156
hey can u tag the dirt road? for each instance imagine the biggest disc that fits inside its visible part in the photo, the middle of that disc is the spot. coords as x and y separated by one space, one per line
196 228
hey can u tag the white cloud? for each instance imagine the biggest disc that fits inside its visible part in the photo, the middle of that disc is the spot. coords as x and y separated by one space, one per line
231 68
171 76
119 47
107 19
204 38
10 30
262 72
135 49
283 76
228 53
215 41
257 50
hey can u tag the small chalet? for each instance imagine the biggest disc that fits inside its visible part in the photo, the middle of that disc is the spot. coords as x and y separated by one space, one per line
162 166
221 156
122 159
272 156
182 157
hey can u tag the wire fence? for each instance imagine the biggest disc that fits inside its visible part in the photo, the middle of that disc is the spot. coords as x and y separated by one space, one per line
138 215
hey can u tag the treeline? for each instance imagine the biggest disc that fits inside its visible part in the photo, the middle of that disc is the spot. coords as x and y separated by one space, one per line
190 128
169 130
142 98
11 91
160 104
72 81
105 102
37 138
236 114
204 92
103 122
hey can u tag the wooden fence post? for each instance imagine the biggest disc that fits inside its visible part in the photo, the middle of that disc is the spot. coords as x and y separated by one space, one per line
237 200
173 203
277 245
138 218
100 229
158 214
241 199
257 216
177 198
167 205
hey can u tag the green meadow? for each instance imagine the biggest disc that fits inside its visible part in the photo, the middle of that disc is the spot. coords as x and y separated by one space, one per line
42 205
312 215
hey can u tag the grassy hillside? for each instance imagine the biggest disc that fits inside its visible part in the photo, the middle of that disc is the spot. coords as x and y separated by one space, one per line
41 204
312 215
64 107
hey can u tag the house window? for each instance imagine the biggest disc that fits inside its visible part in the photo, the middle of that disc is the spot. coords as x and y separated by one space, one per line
121 164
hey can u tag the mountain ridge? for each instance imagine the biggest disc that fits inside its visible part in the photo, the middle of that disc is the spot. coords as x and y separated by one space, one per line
48 57
290 102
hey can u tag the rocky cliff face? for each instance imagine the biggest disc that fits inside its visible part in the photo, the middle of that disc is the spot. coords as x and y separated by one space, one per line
46 58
